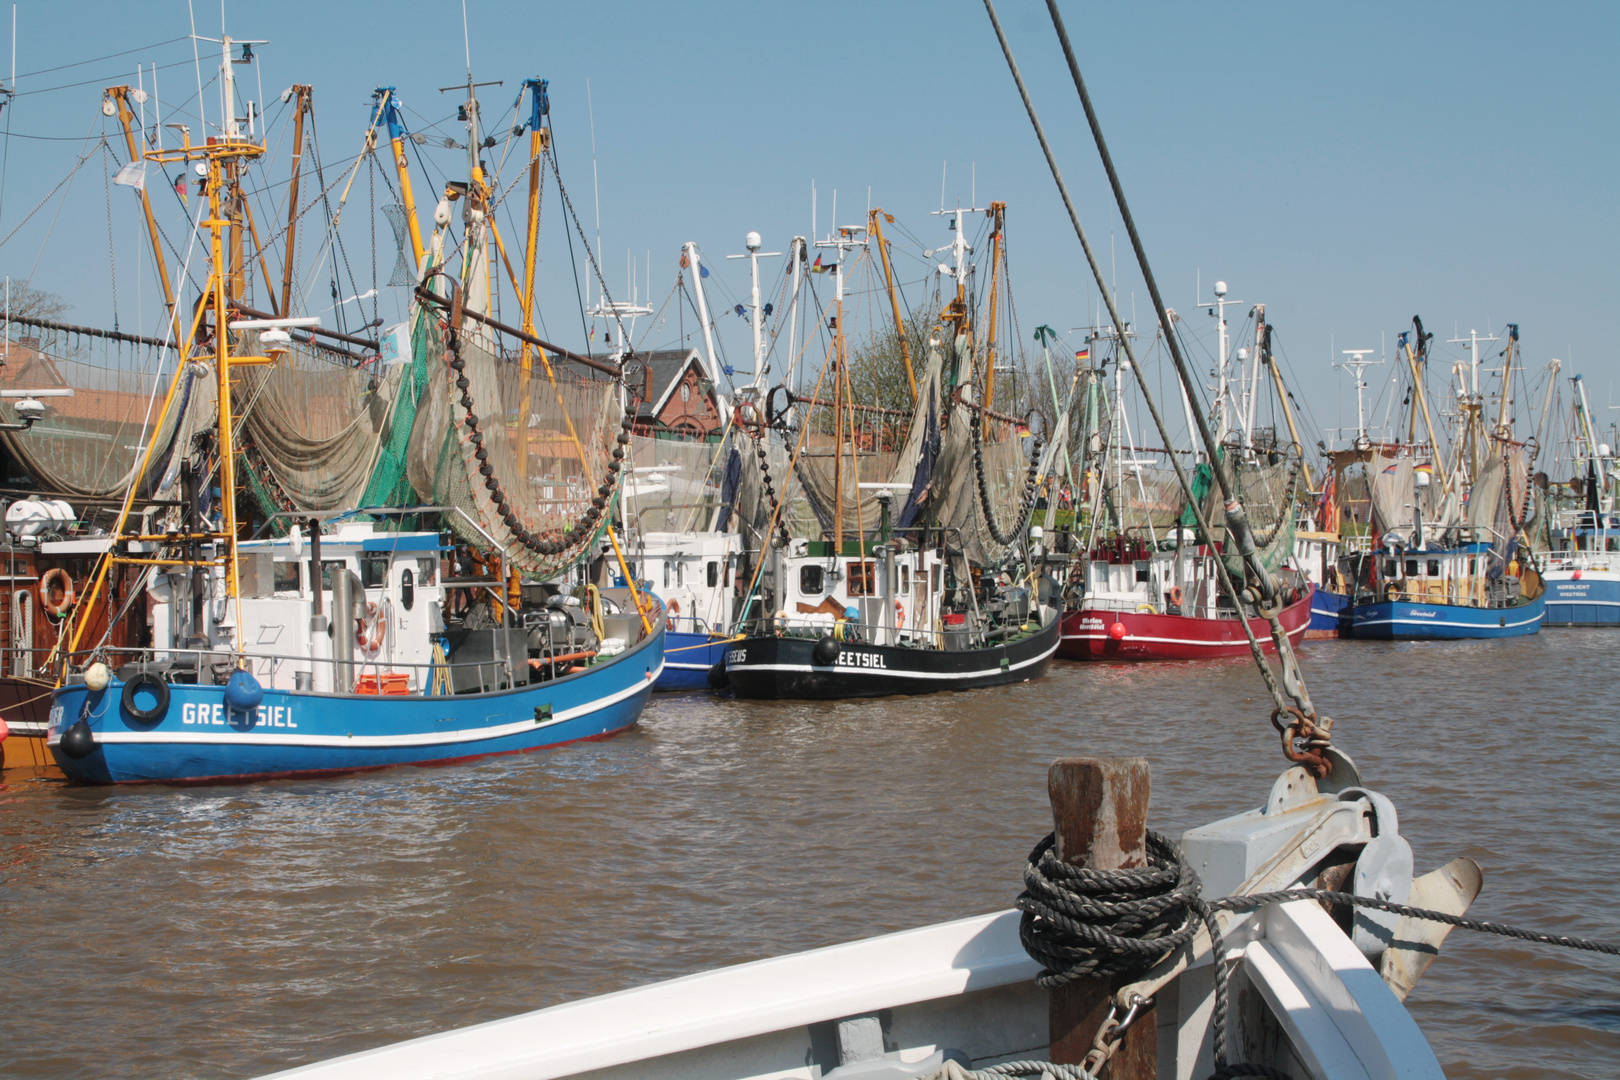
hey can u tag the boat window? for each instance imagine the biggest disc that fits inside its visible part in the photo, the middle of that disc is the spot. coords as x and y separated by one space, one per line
328 568
810 580
905 579
1434 567
862 578
407 589
1473 567
1141 571
1389 568
713 576
373 569
935 587
666 573
427 571
286 579
680 571
1411 568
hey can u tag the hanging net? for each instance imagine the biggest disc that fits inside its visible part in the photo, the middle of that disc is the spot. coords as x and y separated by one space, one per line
529 456
88 445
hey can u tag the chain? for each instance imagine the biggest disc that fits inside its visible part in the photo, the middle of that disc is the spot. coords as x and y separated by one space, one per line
1026 500
549 543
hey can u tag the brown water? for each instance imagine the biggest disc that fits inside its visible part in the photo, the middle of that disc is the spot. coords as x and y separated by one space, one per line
211 932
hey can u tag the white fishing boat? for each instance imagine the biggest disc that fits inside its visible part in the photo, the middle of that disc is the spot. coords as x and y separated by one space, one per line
1313 990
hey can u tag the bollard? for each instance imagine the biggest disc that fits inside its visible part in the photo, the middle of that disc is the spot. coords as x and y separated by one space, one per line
1099 813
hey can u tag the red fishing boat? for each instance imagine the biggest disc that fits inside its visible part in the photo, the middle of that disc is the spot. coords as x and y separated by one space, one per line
1143 604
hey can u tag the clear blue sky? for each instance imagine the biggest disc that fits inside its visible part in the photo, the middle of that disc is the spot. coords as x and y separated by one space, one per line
1349 165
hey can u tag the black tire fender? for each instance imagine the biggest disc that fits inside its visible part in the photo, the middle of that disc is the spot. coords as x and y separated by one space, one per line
159 689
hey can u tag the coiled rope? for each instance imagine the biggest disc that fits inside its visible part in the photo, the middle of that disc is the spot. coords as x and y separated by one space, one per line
1078 922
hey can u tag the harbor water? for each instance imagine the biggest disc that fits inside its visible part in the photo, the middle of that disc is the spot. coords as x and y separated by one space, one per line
232 931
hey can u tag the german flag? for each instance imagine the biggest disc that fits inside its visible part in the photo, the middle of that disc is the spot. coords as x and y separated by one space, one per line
1083 354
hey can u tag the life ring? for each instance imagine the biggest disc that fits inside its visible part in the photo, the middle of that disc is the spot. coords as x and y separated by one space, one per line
47 585
160 692
674 609
899 615
1175 595
371 628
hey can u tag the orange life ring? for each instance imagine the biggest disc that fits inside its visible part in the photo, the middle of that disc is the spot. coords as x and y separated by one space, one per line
674 610
47 586
371 628
899 615
1175 595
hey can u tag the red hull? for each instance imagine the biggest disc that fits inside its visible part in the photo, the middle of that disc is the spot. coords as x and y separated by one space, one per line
1085 634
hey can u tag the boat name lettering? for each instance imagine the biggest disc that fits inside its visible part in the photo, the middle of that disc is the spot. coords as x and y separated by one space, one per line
860 659
54 721
201 712
736 656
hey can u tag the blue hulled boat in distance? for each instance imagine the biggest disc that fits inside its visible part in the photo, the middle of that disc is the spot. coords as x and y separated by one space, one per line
1449 594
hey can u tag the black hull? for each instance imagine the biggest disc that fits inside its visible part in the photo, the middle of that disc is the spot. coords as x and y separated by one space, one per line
772 667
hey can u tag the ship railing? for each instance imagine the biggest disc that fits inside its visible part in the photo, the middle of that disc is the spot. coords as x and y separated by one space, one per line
371 675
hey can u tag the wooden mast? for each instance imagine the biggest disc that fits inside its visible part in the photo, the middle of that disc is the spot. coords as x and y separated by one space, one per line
997 213
126 117
875 220
303 92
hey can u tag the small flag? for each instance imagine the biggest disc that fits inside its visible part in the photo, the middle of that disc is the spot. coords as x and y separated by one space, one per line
1083 354
132 175
180 188
1425 467
1023 431
593 333
1391 470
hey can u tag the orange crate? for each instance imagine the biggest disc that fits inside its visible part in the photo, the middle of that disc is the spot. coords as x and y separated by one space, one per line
390 682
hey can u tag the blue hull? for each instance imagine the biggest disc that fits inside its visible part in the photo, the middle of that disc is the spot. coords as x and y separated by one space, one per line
1330 615
1590 601
1400 619
688 658
303 734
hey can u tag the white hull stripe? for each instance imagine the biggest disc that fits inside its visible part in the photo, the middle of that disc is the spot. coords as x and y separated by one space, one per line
24 727
1443 622
843 670
436 738
1263 638
1571 601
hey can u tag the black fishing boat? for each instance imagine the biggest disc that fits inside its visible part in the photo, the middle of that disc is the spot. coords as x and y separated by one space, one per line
827 668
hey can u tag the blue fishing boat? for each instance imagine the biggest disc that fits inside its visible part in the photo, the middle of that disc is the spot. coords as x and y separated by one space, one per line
356 639
1583 589
1450 594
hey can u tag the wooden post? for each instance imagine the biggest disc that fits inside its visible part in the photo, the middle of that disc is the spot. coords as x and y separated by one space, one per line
1099 813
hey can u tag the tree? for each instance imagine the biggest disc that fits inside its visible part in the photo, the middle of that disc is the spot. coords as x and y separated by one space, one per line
27 302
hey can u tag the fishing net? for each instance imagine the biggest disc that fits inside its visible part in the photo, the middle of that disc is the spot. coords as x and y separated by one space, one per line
88 445
312 425
524 455
887 449
674 486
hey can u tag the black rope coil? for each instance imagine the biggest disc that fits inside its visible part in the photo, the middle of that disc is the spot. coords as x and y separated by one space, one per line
1079 922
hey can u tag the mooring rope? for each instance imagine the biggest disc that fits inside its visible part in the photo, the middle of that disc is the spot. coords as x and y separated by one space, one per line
1079 922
